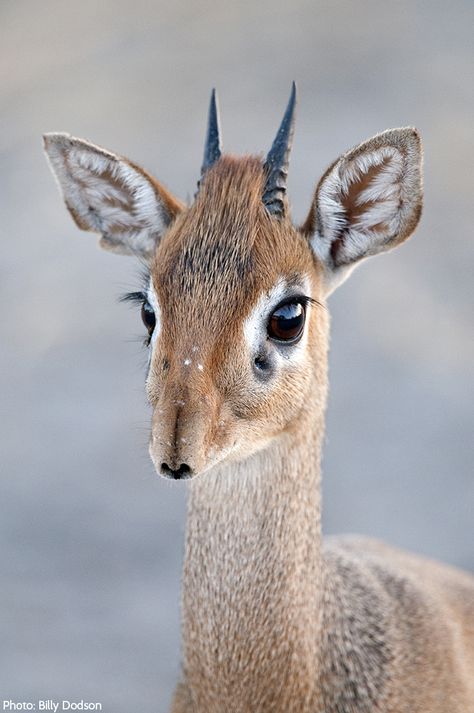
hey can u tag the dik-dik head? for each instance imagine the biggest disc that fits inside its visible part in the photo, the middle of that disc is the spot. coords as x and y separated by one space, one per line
234 300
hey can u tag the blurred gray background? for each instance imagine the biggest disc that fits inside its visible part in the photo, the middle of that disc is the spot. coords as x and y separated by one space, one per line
91 540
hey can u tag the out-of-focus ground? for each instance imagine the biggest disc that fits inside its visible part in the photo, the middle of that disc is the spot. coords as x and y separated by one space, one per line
91 540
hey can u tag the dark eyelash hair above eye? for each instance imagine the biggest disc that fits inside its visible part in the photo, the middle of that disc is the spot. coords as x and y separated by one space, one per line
134 297
301 299
139 296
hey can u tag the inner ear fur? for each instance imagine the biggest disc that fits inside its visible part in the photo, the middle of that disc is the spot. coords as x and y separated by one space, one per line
368 201
108 194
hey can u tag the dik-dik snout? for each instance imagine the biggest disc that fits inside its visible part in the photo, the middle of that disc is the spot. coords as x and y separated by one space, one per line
187 423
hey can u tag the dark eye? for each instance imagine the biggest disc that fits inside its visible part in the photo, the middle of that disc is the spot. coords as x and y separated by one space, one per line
286 322
148 317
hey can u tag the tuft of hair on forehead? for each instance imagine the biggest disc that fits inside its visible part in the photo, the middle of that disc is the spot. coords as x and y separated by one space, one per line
227 239
233 179
229 204
212 241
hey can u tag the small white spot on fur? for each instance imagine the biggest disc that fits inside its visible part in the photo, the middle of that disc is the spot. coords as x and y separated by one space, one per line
187 362
183 440
195 348
200 367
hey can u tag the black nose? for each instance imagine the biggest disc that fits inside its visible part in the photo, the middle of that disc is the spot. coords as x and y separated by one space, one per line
184 471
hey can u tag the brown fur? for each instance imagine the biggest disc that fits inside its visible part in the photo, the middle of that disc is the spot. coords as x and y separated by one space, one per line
273 620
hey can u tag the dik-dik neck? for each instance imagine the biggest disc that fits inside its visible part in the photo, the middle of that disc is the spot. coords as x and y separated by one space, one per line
252 578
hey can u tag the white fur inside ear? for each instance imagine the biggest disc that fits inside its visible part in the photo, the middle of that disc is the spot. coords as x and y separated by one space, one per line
377 205
368 202
106 194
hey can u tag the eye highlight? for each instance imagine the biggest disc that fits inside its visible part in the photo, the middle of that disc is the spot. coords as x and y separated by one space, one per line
148 317
286 323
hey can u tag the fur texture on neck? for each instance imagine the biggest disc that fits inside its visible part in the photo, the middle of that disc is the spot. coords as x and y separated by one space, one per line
252 579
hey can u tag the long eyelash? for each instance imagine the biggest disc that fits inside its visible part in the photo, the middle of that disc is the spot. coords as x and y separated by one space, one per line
302 299
139 296
311 300
134 297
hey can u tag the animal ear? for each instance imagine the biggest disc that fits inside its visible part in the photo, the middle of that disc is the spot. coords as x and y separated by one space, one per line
108 194
367 202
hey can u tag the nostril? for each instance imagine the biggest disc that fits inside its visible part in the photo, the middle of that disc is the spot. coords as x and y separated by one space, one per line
184 471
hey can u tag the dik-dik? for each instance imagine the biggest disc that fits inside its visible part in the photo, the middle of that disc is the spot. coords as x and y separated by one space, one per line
235 310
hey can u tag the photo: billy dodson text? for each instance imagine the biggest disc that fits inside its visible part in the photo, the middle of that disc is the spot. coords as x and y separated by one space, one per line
51 705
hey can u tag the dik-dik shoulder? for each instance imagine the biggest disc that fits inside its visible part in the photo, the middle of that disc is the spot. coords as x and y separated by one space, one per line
398 631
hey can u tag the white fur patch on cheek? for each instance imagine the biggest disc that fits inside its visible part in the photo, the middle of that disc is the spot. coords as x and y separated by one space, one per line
255 324
155 305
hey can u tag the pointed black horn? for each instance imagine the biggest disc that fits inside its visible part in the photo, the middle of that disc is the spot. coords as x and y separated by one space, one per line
213 148
277 161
